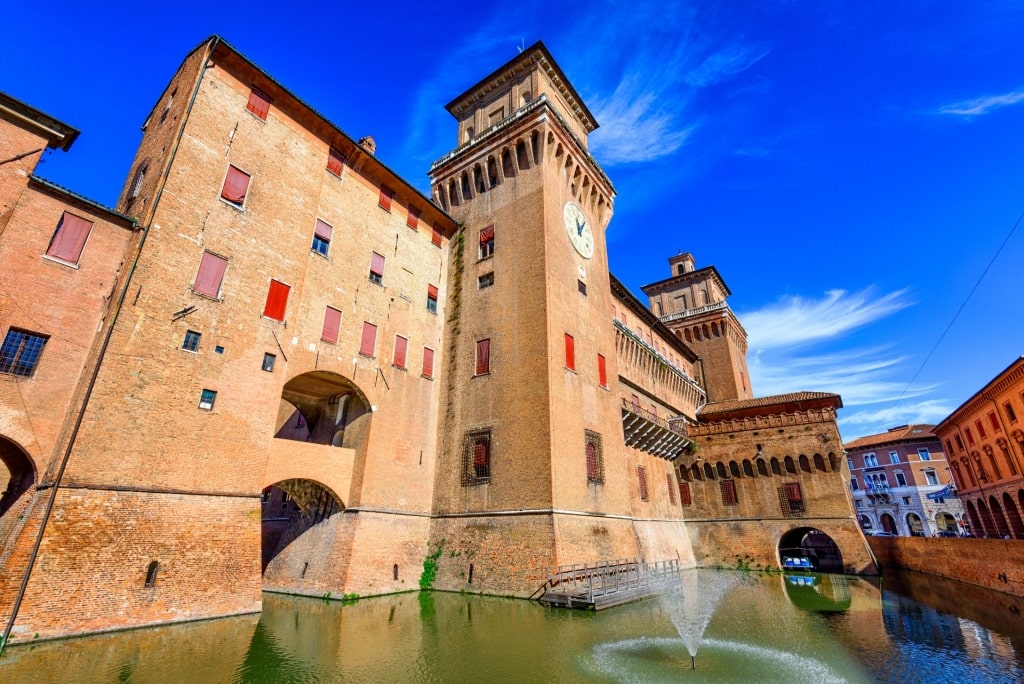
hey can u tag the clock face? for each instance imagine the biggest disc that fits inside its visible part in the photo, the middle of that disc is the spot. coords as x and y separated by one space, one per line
578 228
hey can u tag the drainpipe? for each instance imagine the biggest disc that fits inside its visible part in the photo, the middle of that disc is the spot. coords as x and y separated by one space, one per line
96 369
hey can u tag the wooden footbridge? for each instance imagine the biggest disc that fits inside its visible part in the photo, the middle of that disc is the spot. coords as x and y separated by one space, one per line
593 586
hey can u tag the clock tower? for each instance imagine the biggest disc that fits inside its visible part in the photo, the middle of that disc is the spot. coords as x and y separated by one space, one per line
529 346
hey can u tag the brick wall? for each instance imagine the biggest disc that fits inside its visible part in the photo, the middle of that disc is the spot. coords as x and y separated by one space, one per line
991 563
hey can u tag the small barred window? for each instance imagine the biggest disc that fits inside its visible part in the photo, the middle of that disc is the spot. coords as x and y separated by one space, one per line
595 459
476 462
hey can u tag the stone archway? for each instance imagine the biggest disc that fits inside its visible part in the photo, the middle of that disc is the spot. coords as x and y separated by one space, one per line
321 407
888 523
945 522
1002 530
17 476
1013 516
915 525
809 548
298 518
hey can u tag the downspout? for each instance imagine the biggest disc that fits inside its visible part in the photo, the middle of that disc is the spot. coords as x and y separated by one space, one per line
99 362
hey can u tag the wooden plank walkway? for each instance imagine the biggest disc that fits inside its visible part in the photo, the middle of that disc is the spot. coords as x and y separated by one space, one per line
595 586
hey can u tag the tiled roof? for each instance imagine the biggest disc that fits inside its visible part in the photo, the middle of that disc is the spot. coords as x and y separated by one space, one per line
896 434
731 405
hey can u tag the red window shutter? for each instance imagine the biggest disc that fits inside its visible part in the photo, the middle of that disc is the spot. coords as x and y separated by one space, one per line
435 239
386 194
428 362
413 219
335 161
401 344
591 461
211 275
995 423
684 494
69 239
635 400
793 492
614 313
486 235
259 104
728 492
432 291
570 352
377 264
332 324
483 357
369 340
671 489
480 453
641 476
236 185
277 300
323 230
602 371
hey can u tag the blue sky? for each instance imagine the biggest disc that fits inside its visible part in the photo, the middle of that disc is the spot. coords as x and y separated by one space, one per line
851 168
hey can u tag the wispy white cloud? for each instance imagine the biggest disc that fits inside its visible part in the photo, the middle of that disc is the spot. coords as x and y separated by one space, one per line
926 411
797 320
722 65
983 105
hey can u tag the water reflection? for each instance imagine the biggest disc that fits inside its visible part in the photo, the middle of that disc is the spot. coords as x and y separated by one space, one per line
795 627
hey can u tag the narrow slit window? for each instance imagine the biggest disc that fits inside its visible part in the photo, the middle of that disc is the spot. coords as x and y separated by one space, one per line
641 478
602 371
151 574
570 352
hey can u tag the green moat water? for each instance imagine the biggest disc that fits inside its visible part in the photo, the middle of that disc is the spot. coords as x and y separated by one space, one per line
764 628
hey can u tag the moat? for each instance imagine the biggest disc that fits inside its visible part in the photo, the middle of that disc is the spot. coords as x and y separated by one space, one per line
777 627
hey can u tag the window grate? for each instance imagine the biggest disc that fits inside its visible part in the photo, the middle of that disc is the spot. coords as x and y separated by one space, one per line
20 352
595 457
791 500
476 460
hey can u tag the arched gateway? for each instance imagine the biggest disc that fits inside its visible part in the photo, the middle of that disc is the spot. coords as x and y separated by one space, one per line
809 548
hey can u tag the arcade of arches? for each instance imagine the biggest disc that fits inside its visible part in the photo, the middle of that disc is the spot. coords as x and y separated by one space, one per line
997 517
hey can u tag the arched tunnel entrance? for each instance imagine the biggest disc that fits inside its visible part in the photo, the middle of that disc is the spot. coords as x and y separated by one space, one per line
17 474
294 514
321 407
808 548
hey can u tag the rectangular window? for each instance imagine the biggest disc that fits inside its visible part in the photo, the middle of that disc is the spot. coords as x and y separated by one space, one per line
794 498
1008 407
894 457
435 237
236 186
69 239
870 460
854 484
386 195
413 219
335 162
671 489
901 479
401 345
277 300
369 339
959 442
728 488
570 352
685 498
191 342
20 352
595 457
981 429
376 268
994 421
924 454
641 479
211 275
332 324
431 298
970 437
259 104
487 242
483 357
602 371
268 362
428 363
322 237
476 462
206 399
486 280
930 477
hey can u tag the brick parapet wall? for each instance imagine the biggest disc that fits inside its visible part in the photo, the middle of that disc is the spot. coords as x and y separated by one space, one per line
991 563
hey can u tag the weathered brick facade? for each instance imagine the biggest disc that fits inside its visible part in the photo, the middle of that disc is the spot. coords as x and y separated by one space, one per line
318 376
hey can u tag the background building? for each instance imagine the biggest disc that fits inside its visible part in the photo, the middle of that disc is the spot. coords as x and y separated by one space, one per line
310 378
985 440
901 483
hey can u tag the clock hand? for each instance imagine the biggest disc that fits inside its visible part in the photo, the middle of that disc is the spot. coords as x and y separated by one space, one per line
579 226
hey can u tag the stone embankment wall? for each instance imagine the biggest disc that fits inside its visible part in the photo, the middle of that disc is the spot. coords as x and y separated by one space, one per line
991 563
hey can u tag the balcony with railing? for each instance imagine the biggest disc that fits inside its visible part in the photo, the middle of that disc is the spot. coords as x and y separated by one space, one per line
644 430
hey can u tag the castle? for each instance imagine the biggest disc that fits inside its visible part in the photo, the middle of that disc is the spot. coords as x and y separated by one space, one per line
276 365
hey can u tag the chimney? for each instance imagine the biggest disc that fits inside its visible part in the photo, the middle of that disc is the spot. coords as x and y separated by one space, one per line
368 143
